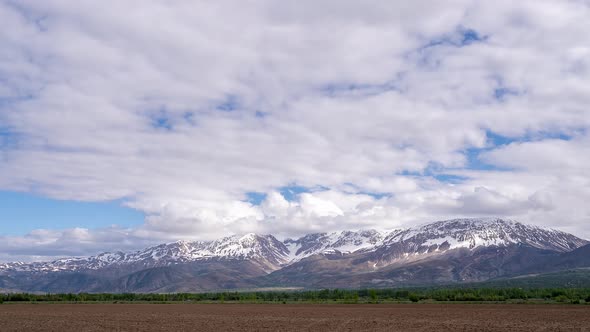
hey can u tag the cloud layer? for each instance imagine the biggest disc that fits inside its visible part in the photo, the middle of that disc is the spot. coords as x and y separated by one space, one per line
388 113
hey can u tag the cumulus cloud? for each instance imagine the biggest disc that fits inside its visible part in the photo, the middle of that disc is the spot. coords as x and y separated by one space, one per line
183 108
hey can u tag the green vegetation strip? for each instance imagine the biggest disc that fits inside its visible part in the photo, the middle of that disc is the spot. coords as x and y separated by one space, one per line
497 295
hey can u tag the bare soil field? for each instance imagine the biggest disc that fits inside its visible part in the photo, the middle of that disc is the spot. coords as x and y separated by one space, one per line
296 317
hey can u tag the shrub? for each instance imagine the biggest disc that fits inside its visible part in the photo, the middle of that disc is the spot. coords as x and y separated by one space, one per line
373 295
561 298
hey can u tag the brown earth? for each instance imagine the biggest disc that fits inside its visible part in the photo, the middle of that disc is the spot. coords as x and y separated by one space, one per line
298 317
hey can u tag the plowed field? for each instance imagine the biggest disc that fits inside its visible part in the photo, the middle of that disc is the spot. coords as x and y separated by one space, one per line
300 317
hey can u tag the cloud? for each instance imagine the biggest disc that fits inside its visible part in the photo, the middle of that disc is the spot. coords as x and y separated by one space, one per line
549 155
44 244
184 108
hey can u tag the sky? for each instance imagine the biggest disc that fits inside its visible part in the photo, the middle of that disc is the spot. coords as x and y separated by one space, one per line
130 123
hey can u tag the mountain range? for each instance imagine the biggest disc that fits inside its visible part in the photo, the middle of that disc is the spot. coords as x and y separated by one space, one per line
444 252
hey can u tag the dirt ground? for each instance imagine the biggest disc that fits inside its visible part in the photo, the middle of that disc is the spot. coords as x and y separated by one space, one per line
265 317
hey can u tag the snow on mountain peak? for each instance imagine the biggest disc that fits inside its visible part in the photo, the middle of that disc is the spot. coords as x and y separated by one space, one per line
344 241
271 253
473 233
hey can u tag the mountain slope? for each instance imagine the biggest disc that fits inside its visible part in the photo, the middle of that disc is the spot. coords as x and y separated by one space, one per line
459 265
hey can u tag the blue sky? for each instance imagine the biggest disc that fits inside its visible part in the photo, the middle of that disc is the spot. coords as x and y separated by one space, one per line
22 213
278 120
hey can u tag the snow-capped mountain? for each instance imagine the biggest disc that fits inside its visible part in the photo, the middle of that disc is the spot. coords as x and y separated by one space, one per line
472 233
263 249
441 236
270 254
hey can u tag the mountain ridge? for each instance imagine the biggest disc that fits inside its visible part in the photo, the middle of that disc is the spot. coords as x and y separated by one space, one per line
272 253
456 250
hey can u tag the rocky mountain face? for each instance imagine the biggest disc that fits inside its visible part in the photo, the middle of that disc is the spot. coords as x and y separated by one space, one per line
460 250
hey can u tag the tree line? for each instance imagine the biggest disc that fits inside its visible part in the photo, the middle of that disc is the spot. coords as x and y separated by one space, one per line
564 295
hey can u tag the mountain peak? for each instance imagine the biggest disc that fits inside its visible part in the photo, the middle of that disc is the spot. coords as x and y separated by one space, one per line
474 233
463 223
249 236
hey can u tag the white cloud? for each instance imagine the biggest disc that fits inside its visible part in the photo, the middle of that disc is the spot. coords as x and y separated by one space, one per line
548 155
356 97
